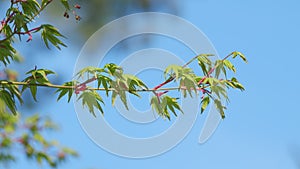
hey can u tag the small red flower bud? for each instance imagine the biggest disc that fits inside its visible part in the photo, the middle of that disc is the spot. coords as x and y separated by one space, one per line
61 155
66 15
77 6
20 140
77 17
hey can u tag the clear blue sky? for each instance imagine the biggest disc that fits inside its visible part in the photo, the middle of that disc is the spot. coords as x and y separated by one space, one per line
261 128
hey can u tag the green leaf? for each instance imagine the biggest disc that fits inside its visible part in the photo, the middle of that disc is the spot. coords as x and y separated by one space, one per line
229 65
123 97
189 83
7 52
37 77
14 91
8 100
211 81
156 106
172 104
203 67
235 54
220 107
114 97
165 105
20 22
89 71
219 91
120 88
235 84
186 77
205 102
105 82
30 7
219 65
66 4
173 70
64 91
91 99
134 83
114 70
205 63
51 34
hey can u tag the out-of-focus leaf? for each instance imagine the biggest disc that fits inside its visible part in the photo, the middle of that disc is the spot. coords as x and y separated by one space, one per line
70 151
65 4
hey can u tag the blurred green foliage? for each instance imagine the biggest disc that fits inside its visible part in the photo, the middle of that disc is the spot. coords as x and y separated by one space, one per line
25 136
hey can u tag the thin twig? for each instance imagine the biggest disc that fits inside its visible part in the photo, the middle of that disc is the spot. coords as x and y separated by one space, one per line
4 82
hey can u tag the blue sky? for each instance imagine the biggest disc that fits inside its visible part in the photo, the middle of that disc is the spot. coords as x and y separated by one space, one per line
261 127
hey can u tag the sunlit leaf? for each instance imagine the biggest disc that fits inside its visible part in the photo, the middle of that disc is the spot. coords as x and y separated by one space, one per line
92 100
205 102
229 65
235 54
165 105
220 107
105 82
